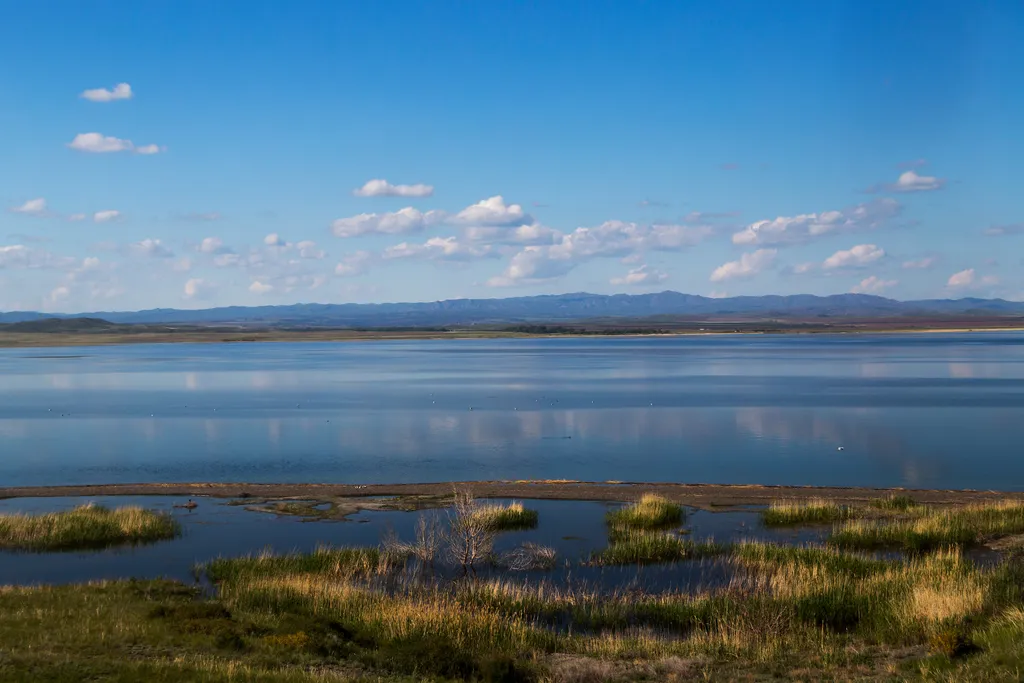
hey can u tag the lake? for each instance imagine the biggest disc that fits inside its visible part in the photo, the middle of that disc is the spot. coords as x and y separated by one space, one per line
916 410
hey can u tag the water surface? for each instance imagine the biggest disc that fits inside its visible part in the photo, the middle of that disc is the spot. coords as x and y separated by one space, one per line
921 410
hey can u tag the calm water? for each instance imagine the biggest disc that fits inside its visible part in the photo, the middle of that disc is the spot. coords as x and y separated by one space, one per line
214 529
914 410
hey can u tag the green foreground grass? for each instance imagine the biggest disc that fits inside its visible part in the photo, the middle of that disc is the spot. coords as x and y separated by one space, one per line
351 614
85 527
650 512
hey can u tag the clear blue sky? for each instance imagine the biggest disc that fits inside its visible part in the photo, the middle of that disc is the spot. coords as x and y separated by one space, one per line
711 148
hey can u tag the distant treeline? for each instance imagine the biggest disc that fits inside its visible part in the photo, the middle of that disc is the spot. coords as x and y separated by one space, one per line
562 329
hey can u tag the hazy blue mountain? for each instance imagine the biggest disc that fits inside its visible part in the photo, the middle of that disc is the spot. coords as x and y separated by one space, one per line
546 308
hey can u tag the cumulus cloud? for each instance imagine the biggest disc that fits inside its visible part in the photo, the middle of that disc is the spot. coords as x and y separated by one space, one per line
923 263
786 230
612 239
258 287
524 234
532 265
198 288
308 250
106 216
854 257
98 143
59 294
151 247
968 278
33 207
642 276
353 264
407 220
1011 229
873 285
492 211
274 240
213 245
382 188
121 91
440 249
748 265
910 181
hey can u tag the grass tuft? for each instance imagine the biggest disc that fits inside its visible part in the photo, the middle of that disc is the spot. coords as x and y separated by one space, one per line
646 547
650 512
505 517
85 527
813 511
894 503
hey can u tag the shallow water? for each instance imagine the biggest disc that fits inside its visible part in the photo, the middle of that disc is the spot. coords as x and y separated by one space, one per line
214 529
924 410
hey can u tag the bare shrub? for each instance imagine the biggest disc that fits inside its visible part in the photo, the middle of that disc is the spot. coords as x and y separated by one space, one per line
470 536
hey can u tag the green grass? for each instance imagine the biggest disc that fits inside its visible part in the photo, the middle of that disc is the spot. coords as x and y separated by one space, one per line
653 547
934 528
813 511
341 562
650 512
505 517
85 527
895 503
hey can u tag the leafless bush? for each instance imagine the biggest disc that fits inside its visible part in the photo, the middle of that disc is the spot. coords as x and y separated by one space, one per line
529 557
471 538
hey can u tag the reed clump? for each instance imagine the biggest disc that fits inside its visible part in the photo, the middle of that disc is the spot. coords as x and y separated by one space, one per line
85 527
813 511
653 547
650 512
935 528
505 517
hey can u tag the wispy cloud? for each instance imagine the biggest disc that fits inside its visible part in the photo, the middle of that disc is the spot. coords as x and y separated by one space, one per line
97 143
923 263
33 207
407 220
1010 229
910 181
873 285
786 230
854 257
641 277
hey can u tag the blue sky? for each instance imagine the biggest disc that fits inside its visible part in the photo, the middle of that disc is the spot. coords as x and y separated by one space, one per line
332 152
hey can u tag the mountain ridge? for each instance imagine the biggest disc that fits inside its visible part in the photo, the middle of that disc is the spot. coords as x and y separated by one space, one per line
548 308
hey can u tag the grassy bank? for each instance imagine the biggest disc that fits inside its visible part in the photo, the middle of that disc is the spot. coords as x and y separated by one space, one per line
85 527
650 512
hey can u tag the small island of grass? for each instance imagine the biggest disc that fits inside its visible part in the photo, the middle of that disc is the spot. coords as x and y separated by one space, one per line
85 527
650 512
509 517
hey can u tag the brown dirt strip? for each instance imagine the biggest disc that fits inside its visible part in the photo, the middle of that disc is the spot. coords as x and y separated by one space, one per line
706 496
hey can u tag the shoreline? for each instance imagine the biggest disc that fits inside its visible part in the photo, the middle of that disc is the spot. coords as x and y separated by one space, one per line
703 496
57 340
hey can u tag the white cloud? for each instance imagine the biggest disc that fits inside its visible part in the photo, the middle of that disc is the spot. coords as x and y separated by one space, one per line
274 240
748 265
438 248
532 265
106 216
353 264
964 278
121 91
492 211
524 234
200 216
806 227
612 239
405 220
1011 229
75 217
33 207
20 256
803 268
910 181
873 285
642 276
227 260
308 250
151 247
213 245
860 255
198 288
258 287
919 264
59 294
98 143
969 278
382 188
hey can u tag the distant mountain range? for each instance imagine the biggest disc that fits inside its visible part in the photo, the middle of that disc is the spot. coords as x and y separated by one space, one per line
549 308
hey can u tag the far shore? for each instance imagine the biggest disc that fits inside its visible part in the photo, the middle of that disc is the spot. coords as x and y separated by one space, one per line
224 336
704 496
